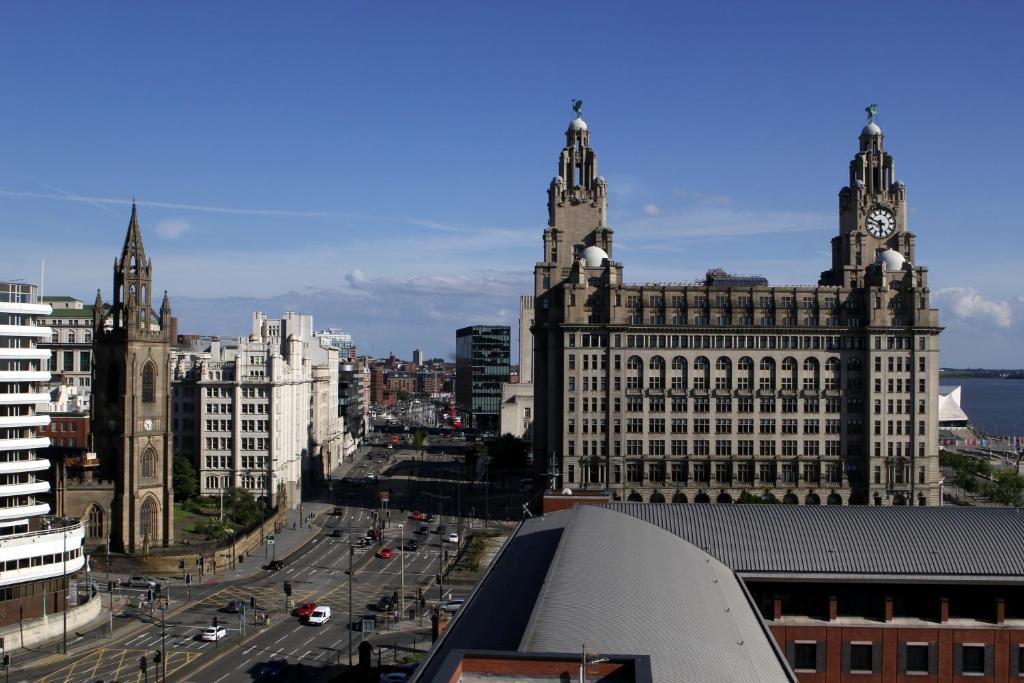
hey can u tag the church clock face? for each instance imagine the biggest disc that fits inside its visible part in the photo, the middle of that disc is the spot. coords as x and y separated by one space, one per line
880 222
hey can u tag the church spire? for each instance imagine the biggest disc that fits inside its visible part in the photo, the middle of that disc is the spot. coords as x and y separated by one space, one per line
133 277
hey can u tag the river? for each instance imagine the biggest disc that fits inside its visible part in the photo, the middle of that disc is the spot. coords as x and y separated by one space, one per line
995 406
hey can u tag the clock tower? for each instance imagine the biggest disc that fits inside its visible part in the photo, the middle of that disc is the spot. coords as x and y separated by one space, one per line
131 408
872 211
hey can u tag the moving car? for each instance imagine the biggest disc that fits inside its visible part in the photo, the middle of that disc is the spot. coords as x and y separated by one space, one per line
424 529
364 541
452 538
417 515
452 605
141 582
386 553
321 615
430 517
275 565
337 533
386 603
304 609
441 529
233 607
213 633
357 625
272 670
410 545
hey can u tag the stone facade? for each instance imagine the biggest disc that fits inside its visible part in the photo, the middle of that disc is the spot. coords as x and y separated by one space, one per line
728 387
131 497
517 397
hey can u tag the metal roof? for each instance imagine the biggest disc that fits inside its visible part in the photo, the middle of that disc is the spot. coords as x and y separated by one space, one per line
619 584
937 542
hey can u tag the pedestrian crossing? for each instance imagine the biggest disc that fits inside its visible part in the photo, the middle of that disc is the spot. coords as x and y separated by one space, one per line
118 663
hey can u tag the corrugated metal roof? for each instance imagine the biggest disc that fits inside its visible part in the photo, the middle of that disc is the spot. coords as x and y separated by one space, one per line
618 584
788 539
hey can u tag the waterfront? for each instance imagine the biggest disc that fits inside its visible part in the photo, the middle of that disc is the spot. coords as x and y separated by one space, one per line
995 406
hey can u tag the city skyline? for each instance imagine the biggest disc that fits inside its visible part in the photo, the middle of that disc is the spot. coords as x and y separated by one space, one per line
340 177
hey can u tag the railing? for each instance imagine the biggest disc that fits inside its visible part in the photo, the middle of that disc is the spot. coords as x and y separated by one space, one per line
70 524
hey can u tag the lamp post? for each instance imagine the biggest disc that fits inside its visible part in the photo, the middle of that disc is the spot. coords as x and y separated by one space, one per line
401 611
351 554
163 639
64 533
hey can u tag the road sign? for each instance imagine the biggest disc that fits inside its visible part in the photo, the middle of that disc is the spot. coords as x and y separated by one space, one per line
385 496
270 540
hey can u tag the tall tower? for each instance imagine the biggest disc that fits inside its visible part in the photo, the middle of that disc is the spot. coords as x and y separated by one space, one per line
872 211
131 408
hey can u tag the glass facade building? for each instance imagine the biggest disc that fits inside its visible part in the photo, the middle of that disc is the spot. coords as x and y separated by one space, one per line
482 355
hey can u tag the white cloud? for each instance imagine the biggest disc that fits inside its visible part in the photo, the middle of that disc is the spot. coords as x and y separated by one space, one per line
172 228
968 304
651 209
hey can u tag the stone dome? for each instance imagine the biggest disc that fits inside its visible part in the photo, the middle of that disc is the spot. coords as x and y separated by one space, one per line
594 256
871 129
891 260
578 124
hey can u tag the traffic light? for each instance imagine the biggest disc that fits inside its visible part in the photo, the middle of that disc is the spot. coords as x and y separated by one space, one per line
287 587
110 586
142 663
188 579
252 602
149 594
156 657
7 660
215 622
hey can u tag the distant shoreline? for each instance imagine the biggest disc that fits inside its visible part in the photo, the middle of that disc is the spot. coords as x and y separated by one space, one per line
981 373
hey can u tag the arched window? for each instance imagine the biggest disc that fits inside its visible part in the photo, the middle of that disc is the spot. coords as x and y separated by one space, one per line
147 520
788 373
723 373
745 373
149 382
701 370
678 372
657 367
767 377
94 522
810 378
146 467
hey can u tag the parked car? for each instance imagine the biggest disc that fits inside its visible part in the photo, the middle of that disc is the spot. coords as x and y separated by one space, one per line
213 633
304 609
275 565
452 538
321 615
233 607
141 582
386 553
273 670
386 603
452 605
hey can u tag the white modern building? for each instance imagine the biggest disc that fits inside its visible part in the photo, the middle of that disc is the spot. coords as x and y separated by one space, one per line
38 552
517 399
255 412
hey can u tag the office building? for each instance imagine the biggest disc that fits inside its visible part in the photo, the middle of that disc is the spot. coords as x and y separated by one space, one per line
726 387
481 366
517 397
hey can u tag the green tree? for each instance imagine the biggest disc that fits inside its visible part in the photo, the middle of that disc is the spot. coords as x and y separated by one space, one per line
186 481
242 506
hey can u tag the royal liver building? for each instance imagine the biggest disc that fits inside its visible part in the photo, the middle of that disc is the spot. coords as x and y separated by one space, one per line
729 388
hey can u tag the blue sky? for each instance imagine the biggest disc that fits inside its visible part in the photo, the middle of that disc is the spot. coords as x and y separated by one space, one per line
384 165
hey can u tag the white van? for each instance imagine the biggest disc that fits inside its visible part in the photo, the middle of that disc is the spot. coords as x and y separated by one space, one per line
321 615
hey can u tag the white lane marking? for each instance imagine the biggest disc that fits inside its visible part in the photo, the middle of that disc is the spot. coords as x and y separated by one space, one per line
243 664
222 677
249 650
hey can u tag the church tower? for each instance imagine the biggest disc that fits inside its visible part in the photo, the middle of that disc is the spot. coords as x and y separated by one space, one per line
131 408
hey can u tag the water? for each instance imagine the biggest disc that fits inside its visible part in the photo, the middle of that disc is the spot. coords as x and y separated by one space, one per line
995 406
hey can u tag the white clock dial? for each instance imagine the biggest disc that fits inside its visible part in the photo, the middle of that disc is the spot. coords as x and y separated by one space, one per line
880 222
147 424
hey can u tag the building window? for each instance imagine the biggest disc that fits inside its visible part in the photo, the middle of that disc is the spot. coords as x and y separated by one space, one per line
94 522
973 658
860 658
148 383
917 658
805 656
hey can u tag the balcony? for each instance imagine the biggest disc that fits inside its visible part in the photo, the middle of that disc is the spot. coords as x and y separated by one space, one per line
25 421
25 309
24 511
32 354
20 444
32 465
24 376
26 331
47 539
26 489
28 398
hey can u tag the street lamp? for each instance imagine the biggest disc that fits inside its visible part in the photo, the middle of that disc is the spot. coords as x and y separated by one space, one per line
351 554
401 612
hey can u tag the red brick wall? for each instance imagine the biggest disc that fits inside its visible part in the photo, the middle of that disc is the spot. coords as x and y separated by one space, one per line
947 639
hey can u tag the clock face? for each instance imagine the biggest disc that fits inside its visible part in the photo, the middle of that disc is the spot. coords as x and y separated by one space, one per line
880 222
147 425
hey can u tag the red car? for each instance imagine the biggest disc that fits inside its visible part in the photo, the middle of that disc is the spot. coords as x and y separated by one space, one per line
386 553
417 515
304 609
